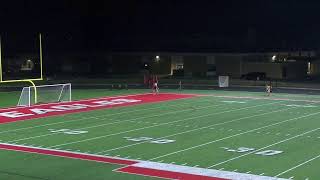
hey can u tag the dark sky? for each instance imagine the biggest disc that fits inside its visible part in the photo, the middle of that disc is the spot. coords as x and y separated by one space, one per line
165 25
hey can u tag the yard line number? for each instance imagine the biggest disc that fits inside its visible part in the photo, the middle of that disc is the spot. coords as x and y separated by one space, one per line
246 150
150 140
67 131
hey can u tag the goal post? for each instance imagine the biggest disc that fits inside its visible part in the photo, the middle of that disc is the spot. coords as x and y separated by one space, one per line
45 94
26 64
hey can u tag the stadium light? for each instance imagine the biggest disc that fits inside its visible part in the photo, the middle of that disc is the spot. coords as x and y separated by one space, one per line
157 59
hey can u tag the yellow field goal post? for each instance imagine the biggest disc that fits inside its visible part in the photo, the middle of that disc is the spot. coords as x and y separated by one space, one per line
31 80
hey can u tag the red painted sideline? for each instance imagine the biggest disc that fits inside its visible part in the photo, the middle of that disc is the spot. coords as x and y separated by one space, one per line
164 174
129 169
67 154
46 110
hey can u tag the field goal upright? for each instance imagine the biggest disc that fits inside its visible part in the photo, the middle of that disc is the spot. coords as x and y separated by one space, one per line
21 59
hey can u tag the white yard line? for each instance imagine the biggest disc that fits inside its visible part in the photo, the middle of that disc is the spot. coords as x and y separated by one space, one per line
297 166
138 129
101 116
235 135
264 98
263 148
116 122
201 128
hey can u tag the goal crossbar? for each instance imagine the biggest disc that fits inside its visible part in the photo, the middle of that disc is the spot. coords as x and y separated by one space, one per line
45 94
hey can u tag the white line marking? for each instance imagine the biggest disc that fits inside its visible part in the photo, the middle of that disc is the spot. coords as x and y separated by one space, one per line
98 117
240 102
217 124
138 129
116 122
260 149
297 105
235 135
299 165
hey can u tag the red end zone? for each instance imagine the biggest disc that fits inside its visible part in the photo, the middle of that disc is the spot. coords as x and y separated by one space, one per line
54 109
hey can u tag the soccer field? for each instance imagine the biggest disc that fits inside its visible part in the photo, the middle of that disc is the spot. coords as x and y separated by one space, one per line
131 134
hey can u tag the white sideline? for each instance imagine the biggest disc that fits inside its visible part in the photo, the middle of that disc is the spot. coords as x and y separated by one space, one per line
263 148
169 167
202 171
228 137
262 98
206 115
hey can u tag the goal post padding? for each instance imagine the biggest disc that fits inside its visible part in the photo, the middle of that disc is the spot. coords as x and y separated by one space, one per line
45 94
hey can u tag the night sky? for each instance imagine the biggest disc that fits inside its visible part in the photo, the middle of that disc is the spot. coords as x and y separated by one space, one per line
165 25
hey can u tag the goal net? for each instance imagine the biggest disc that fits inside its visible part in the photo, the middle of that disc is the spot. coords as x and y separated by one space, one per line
45 94
223 81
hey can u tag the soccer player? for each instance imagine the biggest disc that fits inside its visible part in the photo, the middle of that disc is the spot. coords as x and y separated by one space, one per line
268 89
155 87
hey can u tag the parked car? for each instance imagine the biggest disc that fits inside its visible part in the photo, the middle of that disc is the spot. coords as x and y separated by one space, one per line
254 76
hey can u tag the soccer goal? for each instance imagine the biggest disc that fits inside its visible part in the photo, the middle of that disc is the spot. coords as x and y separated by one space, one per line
45 94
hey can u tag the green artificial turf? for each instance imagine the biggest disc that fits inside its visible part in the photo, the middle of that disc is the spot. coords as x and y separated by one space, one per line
207 132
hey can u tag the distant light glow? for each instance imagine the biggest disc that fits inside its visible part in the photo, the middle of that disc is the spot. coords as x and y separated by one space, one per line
274 57
157 59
